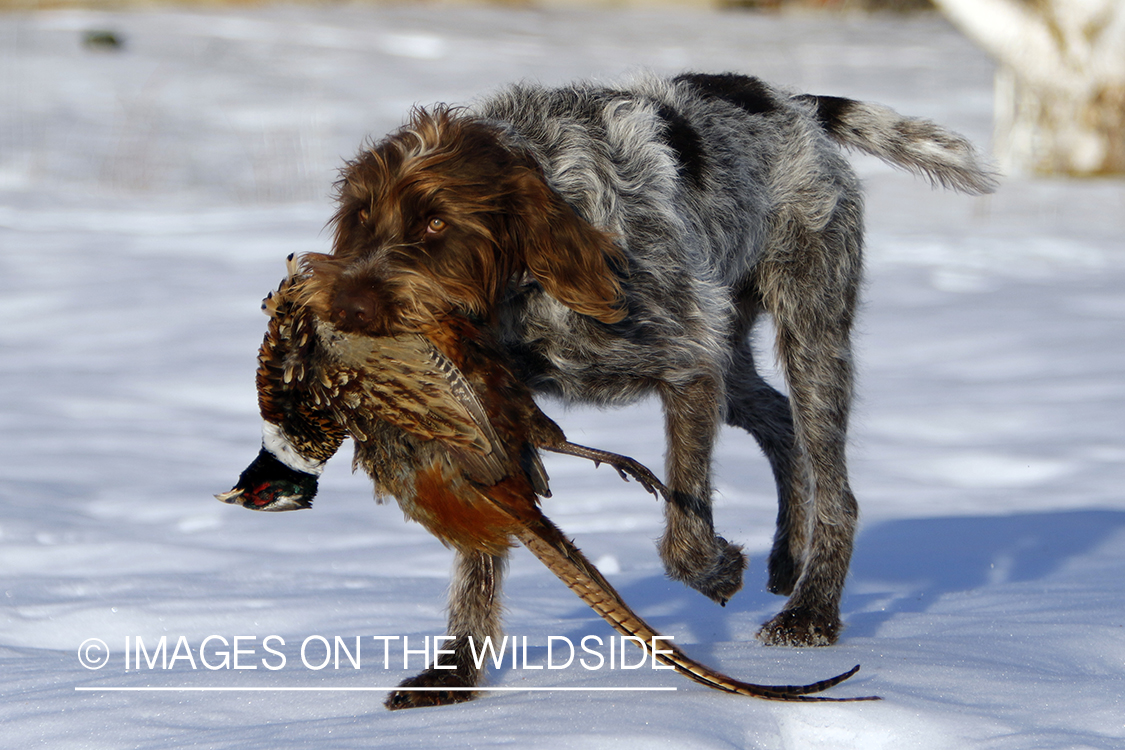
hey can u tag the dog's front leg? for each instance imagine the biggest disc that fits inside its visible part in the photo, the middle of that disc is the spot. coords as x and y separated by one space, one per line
690 549
474 615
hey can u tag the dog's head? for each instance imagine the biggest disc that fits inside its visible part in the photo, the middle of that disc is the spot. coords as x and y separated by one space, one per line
443 215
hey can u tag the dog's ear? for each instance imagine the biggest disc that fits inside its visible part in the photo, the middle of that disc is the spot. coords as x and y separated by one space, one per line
571 258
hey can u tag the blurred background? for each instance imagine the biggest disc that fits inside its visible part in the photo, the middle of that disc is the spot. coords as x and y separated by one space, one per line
146 84
158 161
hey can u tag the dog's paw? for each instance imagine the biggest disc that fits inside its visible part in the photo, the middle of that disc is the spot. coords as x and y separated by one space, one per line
783 572
725 577
717 576
435 690
801 627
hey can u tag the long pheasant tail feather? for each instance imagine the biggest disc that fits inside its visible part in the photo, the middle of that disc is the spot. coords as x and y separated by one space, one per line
566 561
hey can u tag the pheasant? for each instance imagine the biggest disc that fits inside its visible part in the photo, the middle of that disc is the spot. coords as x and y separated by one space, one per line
441 425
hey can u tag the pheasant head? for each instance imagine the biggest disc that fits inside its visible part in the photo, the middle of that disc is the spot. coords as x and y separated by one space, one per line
299 432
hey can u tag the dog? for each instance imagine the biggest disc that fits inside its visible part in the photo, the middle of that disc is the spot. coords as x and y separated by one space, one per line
621 241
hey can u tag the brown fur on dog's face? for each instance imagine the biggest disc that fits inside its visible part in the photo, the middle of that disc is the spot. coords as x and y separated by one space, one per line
442 216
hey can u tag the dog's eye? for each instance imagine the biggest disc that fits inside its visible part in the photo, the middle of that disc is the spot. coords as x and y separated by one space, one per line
363 215
435 225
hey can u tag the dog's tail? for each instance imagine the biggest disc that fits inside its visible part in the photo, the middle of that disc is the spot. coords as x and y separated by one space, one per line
917 145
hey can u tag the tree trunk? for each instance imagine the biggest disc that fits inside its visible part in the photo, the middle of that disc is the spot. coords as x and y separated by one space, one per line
1060 87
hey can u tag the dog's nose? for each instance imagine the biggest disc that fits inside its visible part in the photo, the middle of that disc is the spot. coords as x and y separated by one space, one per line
353 310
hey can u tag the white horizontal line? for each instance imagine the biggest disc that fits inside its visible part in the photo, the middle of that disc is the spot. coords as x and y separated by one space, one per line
361 689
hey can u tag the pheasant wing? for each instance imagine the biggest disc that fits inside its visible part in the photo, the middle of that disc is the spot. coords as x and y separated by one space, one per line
406 381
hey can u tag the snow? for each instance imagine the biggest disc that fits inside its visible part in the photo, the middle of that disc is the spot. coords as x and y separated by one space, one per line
148 198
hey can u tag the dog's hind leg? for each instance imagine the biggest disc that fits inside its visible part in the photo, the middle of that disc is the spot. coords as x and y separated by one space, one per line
690 549
757 407
474 616
809 284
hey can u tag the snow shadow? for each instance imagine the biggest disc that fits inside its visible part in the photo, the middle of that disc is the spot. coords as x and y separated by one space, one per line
674 608
906 565
899 567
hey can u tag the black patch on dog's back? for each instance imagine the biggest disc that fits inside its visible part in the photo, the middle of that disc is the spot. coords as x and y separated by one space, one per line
745 92
683 139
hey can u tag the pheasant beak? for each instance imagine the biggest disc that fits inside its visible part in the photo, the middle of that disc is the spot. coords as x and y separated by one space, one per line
231 497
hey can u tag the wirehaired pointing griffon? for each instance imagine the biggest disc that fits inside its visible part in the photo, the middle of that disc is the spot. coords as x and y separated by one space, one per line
623 240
